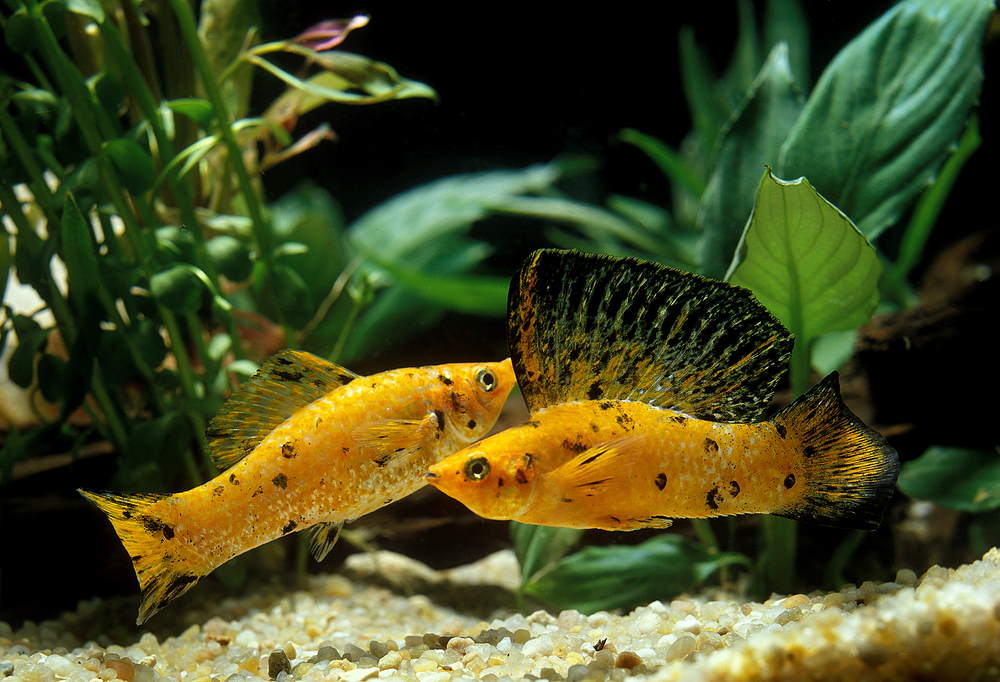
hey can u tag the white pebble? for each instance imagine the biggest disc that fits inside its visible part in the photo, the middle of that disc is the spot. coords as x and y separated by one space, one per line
688 624
358 674
539 646
503 646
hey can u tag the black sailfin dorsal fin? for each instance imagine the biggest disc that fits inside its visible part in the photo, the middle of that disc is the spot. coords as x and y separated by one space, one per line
322 538
588 327
287 380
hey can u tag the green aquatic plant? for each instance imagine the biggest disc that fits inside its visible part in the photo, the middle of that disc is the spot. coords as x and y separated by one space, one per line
882 136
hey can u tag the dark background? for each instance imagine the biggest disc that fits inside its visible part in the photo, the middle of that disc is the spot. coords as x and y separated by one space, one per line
518 84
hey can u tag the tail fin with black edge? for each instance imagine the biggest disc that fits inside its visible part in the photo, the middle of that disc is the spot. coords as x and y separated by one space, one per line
162 576
850 469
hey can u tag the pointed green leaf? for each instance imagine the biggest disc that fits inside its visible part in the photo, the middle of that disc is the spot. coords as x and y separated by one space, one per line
958 478
80 255
670 162
785 22
198 110
707 110
537 547
889 107
751 141
806 261
617 576
475 294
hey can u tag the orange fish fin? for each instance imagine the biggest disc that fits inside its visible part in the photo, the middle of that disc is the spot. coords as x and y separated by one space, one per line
849 470
322 538
601 469
588 327
162 578
396 438
287 381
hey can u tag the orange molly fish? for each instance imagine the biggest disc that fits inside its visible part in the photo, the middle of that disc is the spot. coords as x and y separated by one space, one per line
305 444
646 388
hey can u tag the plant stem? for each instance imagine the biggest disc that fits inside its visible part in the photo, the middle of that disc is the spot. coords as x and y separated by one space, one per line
39 188
185 20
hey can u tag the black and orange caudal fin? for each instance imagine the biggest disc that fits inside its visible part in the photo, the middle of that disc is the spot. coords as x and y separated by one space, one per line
162 577
850 469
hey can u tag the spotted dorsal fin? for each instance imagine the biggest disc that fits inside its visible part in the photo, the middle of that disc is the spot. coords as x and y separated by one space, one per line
588 327
288 380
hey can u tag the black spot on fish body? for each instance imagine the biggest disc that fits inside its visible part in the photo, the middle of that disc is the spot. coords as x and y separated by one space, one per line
382 460
287 376
577 447
780 428
127 514
809 451
280 481
258 491
521 477
345 449
499 482
789 480
711 446
679 419
135 558
615 519
661 480
288 527
595 391
734 488
532 424
712 498
566 499
287 450
248 446
218 490
594 428
471 424
457 402
445 380
233 480
529 460
606 405
439 415
625 421
157 526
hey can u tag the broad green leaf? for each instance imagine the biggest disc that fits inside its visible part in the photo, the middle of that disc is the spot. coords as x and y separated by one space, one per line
52 377
174 244
198 110
785 22
751 141
394 229
831 351
177 288
230 256
616 576
958 478
537 547
134 164
21 31
475 294
889 107
806 261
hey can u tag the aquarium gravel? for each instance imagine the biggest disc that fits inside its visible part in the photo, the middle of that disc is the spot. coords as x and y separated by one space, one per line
944 625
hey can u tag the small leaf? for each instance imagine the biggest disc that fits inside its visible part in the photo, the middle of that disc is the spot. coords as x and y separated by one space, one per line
198 110
31 341
230 256
671 164
889 107
958 478
806 261
21 32
86 8
134 164
616 576
177 288
329 33
537 547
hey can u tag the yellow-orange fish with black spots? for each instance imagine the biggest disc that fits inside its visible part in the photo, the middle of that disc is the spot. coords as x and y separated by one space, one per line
305 444
647 388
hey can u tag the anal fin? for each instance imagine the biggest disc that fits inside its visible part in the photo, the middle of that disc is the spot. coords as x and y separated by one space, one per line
322 538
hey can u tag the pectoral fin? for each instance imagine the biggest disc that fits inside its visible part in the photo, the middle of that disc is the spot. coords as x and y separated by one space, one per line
602 467
322 538
399 438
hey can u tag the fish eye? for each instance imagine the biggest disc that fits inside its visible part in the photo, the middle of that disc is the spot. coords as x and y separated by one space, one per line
486 379
477 468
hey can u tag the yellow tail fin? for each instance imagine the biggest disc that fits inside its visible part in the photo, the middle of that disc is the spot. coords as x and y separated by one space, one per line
850 469
146 537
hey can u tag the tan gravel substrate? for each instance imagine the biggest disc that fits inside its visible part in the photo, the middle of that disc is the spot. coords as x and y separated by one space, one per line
942 626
